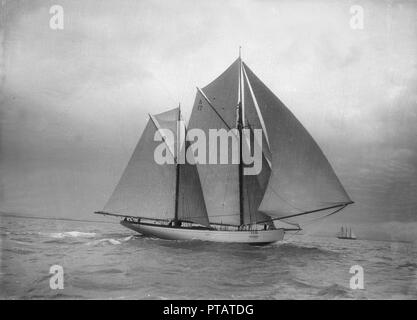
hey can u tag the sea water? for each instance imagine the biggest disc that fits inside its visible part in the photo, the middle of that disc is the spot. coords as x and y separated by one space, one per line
107 261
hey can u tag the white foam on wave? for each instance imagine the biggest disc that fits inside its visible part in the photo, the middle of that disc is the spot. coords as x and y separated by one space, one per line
108 241
70 234
103 241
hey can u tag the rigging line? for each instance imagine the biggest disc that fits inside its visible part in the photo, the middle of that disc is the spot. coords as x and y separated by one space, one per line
263 153
224 215
224 198
212 107
325 216
118 211
286 201
242 92
313 211
294 234
317 219
302 211
130 216
159 129
258 111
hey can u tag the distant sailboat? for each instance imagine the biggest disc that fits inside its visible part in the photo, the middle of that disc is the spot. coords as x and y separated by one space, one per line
217 202
346 233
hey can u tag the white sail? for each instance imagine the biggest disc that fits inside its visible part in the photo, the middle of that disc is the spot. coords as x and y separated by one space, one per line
219 182
296 179
148 189
191 205
302 179
215 107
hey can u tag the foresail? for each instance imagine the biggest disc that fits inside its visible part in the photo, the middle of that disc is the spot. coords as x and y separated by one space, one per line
146 189
302 178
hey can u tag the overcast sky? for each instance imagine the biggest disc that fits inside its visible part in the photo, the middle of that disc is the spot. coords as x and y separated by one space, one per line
74 102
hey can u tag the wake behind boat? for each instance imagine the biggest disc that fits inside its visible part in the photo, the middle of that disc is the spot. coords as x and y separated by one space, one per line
189 198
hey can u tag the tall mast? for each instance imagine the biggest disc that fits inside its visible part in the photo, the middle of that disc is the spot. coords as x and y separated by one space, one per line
240 127
177 166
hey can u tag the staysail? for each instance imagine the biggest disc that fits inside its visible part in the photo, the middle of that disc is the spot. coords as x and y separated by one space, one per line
219 182
191 206
302 180
148 189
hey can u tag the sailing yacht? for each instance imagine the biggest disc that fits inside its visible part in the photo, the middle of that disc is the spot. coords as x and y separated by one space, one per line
346 234
217 202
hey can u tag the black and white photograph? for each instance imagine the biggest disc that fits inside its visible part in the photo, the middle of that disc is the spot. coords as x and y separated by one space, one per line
208 150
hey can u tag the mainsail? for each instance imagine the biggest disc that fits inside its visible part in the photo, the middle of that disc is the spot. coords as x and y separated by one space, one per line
296 177
216 107
148 189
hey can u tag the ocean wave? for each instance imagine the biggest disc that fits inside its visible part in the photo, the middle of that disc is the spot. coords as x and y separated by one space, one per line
19 251
69 234
107 241
108 271
21 241
295 248
409 265
300 284
334 291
